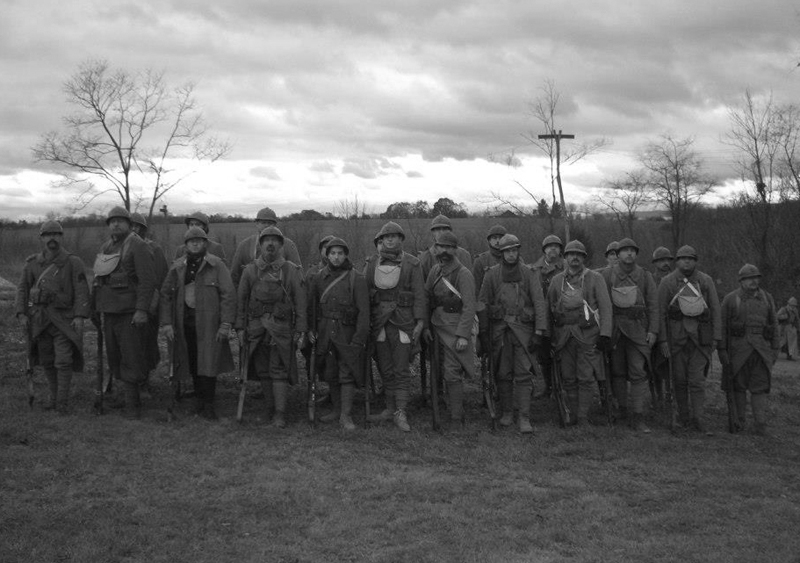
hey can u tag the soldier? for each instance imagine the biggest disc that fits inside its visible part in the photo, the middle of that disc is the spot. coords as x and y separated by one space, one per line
198 308
750 345
689 330
634 298
139 227
124 285
317 267
550 264
201 220
398 307
611 254
427 257
272 317
52 303
450 288
339 303
581 311
659 366
789 323
248 250
513 298
488 258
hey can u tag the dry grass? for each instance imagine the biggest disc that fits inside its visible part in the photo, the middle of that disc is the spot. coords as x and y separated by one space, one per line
85 488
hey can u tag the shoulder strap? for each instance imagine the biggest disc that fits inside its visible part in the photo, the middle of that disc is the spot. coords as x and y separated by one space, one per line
330 285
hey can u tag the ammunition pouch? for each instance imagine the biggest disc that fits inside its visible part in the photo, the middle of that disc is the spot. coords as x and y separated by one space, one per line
383 295
527 315
279 310
282 311
572 317
405 299
449 304
118 280
345 315
635 313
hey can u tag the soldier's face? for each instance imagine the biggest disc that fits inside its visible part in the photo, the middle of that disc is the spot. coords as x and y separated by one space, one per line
750 284
611 258
686 265
270 247
511 255
196 223
437 231
494 241
261 224
574 259
119 226
444 252
195 245
552 252
51 241
664 265
336 256
391 241
139 229
627 255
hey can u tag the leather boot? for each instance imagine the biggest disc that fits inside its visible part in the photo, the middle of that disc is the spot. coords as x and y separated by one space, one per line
619 386
740 400
637 423
133 405
269 398
64 380
401 421
197 403
280 389
336 399
639 392
698 400
572 403
505 389
760 402
456 392
348 391
523 399
209 387
52 386
386 414
585 396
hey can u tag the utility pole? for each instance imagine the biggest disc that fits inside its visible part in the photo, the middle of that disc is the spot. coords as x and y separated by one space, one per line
557 136
165 211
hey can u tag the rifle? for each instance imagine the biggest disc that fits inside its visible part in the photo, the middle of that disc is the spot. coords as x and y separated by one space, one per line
174 384
244 365
606 393
311 370
670 398
434 378
734 424
29 364
99 388
423 366
368 382
488 380
564 413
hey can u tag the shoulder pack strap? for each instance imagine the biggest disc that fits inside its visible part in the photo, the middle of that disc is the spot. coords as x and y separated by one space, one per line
451 287
330 285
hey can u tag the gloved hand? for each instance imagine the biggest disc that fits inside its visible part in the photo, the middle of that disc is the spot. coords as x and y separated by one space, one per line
535 343
139 318
167 332
603 343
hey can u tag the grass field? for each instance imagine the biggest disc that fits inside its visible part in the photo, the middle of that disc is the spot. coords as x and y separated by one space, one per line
85 488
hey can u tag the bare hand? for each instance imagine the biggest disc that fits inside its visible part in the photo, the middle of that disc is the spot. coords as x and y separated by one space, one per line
426 334
77 325
417 331
312 337
24 321
167 332
223 333
461 344
664 349
300 338
139 318
651 339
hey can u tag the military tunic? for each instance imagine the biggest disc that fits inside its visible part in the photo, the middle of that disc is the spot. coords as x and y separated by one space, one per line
427 259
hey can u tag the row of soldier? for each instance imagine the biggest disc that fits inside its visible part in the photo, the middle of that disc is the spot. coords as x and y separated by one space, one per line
622 325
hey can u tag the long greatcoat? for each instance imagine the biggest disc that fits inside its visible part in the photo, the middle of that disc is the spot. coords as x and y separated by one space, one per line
215 303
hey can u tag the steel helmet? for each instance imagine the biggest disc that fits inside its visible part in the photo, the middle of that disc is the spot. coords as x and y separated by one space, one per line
613 246
118 211
198 216
336 241
441 222
508 241
447 238
576 247
266 214
390 228
139 219
496 230
627 243
270 231
686 251
552 239
660 253
194 232
793 301
51 227
324 241
748 271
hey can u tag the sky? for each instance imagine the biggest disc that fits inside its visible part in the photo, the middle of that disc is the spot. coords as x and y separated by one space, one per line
342 102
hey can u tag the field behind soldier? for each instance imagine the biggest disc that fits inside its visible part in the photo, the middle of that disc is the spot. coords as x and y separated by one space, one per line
90 488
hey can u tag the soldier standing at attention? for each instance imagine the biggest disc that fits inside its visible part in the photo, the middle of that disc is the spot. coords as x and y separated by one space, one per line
689 330
550 264
512 296
272 317
750 344
339 301
634 299
248 250
201 220
662 264
659 366
581 311
611 255
52 304
789 323
451 295
124 285
427 257
198 308
398 307
488 258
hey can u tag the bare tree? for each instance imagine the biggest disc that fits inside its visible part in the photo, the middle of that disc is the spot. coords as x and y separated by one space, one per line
126 126
675 178
353 216
624 197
